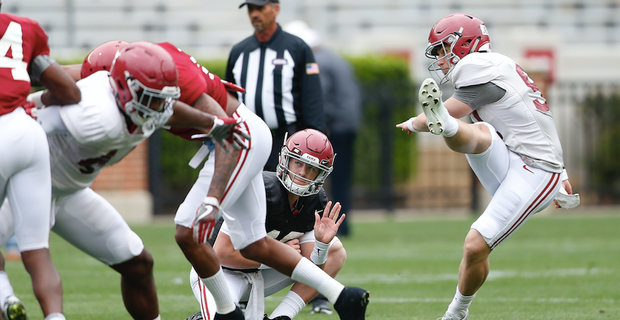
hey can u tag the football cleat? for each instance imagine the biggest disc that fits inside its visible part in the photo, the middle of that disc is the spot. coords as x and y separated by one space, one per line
450 316
235 315
195 316
430 98
277 318
320 304
352 303
14 309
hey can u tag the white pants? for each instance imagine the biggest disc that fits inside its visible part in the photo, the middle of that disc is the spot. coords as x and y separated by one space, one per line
518 190
240 287
243 203
91 224
25 180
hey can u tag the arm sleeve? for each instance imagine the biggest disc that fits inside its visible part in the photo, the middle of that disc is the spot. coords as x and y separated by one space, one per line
311 92
479 95
39 65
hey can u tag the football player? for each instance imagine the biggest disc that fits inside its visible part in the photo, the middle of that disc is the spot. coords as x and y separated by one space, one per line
513 146
25 162
241 202
119 109
295 200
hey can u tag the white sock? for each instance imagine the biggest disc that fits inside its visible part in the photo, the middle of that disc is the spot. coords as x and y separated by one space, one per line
460 303
218 287
450 125
290 306
6 289
309 274
55 316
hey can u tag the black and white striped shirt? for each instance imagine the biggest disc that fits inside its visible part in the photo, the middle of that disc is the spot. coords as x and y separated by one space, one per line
281 79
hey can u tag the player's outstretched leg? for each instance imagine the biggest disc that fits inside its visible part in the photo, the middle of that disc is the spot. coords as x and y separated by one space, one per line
432 105
14 309
352 303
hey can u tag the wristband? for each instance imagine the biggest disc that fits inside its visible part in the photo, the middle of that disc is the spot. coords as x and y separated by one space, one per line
319 253
212 201
35 98
410 125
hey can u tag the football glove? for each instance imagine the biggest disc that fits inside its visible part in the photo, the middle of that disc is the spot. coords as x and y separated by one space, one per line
35 98
206 217
226 129
31 109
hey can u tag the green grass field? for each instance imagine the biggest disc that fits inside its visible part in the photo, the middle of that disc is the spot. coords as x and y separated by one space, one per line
555 267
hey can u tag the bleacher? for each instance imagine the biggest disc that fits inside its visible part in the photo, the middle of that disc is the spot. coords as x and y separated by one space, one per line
213 26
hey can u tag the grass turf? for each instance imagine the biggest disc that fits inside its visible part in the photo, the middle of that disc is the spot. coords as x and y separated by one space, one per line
554 267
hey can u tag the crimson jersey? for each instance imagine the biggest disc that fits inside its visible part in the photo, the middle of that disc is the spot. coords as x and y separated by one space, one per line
22 40
194 80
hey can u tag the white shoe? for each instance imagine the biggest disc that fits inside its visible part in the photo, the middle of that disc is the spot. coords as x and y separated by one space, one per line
430 98
13 309
450 316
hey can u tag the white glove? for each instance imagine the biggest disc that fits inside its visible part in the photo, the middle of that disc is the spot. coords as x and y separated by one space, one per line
567 201
206 217
35 98
226 129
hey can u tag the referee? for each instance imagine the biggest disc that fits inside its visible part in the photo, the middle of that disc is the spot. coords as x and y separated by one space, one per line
280 76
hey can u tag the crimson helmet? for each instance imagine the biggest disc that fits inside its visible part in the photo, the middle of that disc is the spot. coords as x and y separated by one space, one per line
312 148
458 34
101 58
146 83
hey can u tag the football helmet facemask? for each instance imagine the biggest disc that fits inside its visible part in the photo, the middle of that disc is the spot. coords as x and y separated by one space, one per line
102 57
145 82
458 34
312 148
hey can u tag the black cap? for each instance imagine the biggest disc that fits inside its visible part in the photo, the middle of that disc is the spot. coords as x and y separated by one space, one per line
259 3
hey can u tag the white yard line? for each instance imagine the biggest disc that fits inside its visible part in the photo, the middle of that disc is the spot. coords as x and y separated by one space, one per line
493 275
497 299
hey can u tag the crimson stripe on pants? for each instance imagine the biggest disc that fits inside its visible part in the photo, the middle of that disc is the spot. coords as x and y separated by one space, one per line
548 189
244 154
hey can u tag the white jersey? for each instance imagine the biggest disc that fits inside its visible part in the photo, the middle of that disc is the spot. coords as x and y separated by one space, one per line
97 137
521 117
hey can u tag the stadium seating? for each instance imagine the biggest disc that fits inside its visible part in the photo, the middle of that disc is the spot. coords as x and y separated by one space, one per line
218 24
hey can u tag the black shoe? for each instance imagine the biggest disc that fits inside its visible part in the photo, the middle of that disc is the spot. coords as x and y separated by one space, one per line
195 316
243 305
235 315
277 318
352 303
320 304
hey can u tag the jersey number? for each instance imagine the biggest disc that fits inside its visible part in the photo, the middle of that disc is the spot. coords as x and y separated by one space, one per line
12 39
542 106
87 166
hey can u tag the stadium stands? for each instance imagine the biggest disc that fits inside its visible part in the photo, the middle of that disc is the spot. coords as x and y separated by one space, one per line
218 24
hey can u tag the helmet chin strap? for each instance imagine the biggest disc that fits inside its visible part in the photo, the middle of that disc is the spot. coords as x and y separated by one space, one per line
475 44
297 189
